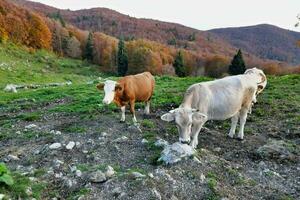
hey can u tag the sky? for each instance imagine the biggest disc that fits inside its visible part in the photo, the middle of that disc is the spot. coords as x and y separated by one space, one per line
199 14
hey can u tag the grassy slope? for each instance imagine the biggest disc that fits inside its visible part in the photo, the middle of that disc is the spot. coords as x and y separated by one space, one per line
18 66
278 104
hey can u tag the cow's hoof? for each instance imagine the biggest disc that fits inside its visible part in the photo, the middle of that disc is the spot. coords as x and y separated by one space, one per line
239 139
122 121
229 136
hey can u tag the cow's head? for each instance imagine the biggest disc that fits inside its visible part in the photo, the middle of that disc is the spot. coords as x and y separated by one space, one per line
185 119
110 88
261 77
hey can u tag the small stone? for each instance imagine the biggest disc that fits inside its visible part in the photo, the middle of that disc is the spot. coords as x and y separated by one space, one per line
144 141
56 145
156 194
202 177
85 151
103 134
31 126
78 173
150 175
58 175
58 163
97 177
217 149
121 139
117 191
57 133
109 171
29 191
12 157
161 143
70 145
77 144
18 132
32 178
137 175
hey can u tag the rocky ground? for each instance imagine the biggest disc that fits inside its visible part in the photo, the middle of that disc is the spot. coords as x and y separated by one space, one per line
97 157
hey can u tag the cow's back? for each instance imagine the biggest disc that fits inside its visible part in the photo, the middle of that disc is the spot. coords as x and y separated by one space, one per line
219 99
139 87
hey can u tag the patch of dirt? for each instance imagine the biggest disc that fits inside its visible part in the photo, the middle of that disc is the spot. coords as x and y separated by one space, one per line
224 168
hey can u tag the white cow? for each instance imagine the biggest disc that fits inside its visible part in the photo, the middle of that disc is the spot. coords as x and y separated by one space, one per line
229 97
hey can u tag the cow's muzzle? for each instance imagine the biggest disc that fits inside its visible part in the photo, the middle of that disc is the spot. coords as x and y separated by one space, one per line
184 141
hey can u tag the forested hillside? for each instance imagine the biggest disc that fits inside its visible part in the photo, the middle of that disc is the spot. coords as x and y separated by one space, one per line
264 40
150 45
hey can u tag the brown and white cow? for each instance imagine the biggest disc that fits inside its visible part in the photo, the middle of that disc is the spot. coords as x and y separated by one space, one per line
128 90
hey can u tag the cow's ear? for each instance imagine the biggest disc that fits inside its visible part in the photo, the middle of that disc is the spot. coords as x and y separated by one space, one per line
168 117
118 87
199 117
100 86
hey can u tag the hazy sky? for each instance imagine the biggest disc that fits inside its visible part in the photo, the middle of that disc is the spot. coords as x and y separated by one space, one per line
200 14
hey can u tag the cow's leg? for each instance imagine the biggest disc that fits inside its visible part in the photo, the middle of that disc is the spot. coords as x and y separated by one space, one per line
234 121
132 111
147 108
123 114
243 117
195 132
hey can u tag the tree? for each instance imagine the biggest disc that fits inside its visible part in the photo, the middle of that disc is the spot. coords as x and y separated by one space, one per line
73 48
88 54
122 58
179 65
237 65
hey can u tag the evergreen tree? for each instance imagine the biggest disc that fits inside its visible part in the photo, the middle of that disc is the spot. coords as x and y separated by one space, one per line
237 65
179 65
88 54
122 58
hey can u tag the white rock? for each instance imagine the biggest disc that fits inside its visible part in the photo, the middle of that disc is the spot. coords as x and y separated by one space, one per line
30 126
137 175
70 145
13 157
161 143
156 194
77 144
58 175
121 139
29 191
56 145
144 141
150 175
78 173
55 132
2 196
202 177
98 177
85 151
175 152
18 132
11 88
103 134
109 171
57 163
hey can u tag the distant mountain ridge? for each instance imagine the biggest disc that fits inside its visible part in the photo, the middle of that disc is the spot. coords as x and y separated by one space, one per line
259 43
265 41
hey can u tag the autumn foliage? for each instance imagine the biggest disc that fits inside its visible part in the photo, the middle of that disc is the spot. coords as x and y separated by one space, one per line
23 27
202 53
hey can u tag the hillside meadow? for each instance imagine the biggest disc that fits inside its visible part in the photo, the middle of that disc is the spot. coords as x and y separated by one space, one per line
225 167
